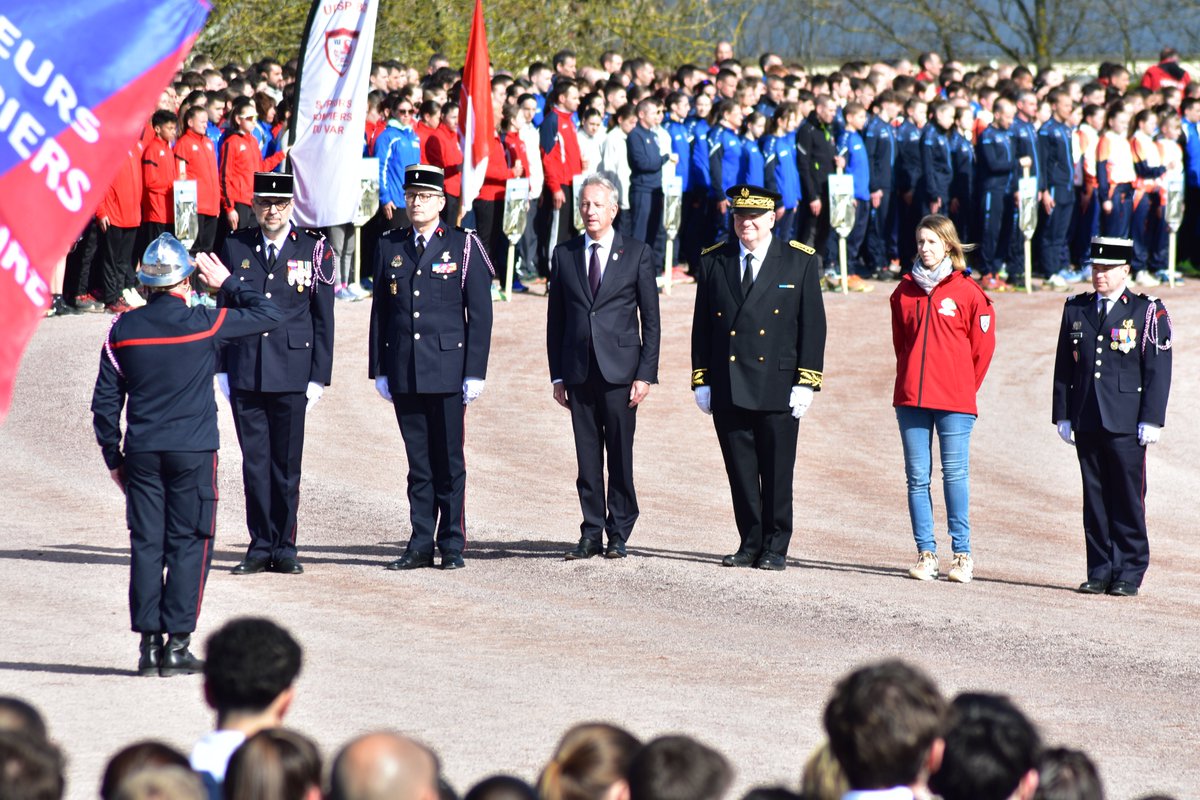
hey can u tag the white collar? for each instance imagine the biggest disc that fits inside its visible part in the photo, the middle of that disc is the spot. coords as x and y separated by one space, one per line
278 242
759 253
605 241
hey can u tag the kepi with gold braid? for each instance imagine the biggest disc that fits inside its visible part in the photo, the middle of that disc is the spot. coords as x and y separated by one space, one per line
750 199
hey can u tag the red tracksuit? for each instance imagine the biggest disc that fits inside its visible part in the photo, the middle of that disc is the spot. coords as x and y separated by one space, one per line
122 203
563 161
442 150
240 159
498 172
158 182
196 150
944 343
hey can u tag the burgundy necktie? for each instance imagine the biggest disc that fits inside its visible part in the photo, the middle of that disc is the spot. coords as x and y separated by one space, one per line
594 269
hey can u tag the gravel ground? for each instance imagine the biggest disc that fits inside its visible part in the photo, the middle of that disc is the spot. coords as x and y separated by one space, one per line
491 664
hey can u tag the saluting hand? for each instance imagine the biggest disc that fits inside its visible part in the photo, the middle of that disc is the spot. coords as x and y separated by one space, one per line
211 269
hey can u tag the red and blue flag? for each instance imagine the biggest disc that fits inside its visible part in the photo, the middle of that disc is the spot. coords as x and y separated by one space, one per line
78 81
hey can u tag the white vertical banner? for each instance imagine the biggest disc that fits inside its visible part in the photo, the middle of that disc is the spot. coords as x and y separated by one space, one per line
330 118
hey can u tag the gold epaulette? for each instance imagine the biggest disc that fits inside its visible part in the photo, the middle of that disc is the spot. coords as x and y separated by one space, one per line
699 377
803 248
712 247
808 377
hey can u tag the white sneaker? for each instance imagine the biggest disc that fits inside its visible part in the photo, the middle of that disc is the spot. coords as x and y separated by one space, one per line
962 569
1057 281
358 291
133 297
926 568
1144 278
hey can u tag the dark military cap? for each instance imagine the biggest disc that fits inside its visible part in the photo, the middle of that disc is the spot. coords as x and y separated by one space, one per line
1110 251
752 199
273 184
425 176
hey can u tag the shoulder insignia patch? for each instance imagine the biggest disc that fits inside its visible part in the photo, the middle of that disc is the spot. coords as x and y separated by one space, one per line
1150 297
712 247
803 248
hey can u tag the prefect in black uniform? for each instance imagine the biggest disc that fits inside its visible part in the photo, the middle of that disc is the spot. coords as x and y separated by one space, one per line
431 330
1112 376
271 376
158 364
751 351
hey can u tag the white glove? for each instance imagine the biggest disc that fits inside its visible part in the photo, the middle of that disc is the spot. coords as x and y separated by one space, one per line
223 384
313 393
472 388
704 399
381 386
801 399
1064 431
1147 433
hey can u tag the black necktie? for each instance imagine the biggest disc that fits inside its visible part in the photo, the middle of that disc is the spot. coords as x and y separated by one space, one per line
748 275
1101 312
594 269
272 254
420 247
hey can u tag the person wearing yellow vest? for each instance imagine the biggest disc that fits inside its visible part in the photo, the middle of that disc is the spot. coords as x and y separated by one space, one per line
1147 199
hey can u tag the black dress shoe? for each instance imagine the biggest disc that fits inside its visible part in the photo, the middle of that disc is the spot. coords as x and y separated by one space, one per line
1093 587
411 560
615 550
1122 589
585 549
771 561
739 559
151 654
452 561
287 566
251 566
177 659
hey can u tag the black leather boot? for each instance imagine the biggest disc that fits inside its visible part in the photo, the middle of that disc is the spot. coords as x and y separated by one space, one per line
177 659
151 654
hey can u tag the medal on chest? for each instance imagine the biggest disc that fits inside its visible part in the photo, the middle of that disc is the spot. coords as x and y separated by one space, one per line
1124 338
299 273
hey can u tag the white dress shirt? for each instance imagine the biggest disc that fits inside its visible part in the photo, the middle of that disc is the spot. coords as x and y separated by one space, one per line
603 253
759 253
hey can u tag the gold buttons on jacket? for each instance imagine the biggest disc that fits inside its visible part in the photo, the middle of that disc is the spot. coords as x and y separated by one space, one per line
733 358
762 332
733 333
761 359
718 313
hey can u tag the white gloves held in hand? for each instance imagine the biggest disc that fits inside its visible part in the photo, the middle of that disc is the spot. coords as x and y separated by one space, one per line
801 399
223 384
381 386
1064 432
313 393
1147 433
472 388
704 399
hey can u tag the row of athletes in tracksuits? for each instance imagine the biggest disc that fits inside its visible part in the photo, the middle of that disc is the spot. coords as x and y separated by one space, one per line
1092 178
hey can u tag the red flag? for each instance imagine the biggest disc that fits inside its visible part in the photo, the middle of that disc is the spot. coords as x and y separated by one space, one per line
476 124
77 110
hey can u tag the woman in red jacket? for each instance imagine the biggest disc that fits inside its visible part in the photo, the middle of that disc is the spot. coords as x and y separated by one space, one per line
944 333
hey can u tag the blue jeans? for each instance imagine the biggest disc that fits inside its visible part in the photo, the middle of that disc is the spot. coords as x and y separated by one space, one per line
954 441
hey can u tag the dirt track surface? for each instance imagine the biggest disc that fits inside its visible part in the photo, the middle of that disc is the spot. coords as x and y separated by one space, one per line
492 663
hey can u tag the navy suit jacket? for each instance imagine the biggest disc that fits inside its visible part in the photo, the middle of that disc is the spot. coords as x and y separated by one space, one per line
301 351
431 318
620 323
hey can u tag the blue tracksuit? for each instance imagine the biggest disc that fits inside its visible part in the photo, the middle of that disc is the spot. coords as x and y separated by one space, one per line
962 185
1056 175
681 145
880 140
753 163
858 165
937 169
908 179
995 162
397 152
725 160
782 176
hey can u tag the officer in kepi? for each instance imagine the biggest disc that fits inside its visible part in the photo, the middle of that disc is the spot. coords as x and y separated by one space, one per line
758 350
431 329
1112 377
157 364
272 380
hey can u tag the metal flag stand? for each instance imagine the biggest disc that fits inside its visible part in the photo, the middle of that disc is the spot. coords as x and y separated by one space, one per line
368 202
672 214
842 212
1173 214
516 214
1027 220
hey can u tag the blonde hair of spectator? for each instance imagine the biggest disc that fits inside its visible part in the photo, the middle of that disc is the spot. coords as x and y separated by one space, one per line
274 764
944 229
589 763
822 778
162 783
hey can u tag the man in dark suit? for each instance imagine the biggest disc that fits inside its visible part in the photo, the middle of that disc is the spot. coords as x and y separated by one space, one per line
758 350
160 360
431 330
1112 377
274 379
602 335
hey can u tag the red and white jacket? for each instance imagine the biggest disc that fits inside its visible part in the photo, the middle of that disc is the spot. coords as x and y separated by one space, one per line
944 343
196 151
122 203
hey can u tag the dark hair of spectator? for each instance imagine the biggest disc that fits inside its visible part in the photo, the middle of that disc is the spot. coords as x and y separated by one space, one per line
20 717
678 768
273 764
249 662
1065 774
134 758
990 747
501 787
30 768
